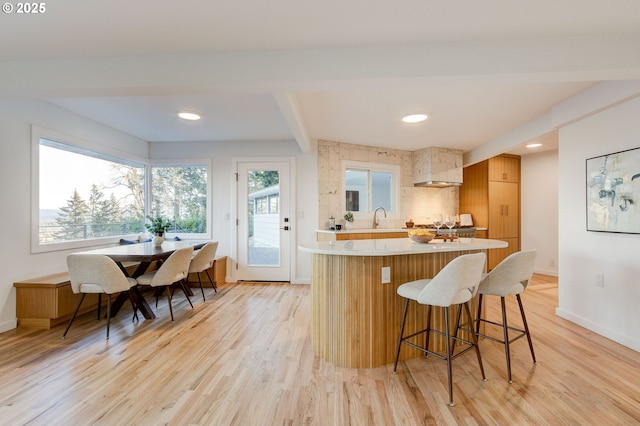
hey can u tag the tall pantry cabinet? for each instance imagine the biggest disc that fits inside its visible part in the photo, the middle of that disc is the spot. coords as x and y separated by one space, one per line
491 193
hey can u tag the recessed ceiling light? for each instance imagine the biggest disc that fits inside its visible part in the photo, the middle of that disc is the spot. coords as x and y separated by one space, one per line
189 116
414 118
534 145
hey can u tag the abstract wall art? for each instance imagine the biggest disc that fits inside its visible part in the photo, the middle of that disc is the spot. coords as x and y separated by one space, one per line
613 192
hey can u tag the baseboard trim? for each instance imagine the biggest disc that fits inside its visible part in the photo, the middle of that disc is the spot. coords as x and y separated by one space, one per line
8 325
598 329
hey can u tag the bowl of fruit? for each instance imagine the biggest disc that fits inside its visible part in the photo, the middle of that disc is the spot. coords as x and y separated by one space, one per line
420 235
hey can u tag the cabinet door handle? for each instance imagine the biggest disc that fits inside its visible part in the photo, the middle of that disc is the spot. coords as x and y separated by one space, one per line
507 210
504 176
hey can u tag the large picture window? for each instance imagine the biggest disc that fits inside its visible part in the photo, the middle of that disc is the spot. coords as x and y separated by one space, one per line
83 195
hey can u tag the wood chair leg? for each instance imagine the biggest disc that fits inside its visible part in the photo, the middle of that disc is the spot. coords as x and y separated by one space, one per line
526 328
201 289
108 313
183 286
169 300
479 320
213 283
99 304
474 339
448 348
505 328
426 339
74 314
134 306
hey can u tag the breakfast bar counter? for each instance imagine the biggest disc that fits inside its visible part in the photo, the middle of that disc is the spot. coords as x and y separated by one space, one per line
355 310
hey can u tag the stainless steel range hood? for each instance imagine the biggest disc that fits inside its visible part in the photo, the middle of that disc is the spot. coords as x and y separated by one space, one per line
437 184
437 167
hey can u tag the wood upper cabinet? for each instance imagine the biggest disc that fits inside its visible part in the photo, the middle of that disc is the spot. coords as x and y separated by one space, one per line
504 169
491 193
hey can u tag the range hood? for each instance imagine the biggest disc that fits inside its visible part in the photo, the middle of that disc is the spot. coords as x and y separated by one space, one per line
437 167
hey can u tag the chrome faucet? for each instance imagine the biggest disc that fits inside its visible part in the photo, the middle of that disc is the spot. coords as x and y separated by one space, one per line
375 217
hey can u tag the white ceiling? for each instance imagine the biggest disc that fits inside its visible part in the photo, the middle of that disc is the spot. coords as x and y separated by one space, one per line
307 70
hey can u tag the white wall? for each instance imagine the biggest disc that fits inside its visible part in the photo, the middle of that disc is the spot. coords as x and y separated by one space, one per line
539 203
611 310
222 155
16 118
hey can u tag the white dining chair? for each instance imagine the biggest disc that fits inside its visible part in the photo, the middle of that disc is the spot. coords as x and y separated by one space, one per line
201 261
97 274
509 277
455 284
174 270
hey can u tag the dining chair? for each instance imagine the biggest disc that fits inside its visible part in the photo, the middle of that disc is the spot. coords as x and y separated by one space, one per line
97 274
509 277
455 284
174 270
201 261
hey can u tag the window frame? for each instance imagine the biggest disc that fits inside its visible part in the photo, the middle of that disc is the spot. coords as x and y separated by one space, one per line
80 146
392 169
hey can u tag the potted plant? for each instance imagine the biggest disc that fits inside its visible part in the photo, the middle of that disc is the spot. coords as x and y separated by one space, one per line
348 220
158 226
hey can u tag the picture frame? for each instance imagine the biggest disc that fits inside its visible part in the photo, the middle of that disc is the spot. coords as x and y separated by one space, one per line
613 192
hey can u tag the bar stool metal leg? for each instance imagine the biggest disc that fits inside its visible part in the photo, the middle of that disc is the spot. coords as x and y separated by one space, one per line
404 319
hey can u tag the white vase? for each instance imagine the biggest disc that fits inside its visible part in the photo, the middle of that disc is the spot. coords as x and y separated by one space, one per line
347 224
158 240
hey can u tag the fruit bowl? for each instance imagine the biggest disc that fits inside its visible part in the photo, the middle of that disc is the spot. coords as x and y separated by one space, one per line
421 236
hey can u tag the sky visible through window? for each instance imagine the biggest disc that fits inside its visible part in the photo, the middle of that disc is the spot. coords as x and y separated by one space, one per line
62 172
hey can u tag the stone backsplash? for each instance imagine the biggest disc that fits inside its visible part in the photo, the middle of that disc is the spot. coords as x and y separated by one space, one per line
417 203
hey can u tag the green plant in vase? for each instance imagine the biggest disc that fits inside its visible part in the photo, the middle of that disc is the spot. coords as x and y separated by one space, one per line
158 226
348 220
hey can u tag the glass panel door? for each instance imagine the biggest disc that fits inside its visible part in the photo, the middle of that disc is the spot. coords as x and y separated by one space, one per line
264 227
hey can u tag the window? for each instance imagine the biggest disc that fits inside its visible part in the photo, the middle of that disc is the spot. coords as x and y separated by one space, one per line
179 193
84 195
368 186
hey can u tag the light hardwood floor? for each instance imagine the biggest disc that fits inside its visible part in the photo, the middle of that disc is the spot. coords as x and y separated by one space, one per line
244 358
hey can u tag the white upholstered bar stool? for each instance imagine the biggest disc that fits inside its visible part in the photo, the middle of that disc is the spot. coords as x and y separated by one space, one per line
455 284
98 274
510 277
201 261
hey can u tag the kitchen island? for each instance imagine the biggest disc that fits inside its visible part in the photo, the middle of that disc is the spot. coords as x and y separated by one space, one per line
355 310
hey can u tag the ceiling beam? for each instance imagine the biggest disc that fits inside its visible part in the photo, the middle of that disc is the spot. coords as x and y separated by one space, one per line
290 109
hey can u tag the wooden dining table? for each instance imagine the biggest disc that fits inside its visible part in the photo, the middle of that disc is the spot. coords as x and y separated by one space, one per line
145 254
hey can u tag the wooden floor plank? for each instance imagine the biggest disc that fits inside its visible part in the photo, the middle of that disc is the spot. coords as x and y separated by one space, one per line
244 357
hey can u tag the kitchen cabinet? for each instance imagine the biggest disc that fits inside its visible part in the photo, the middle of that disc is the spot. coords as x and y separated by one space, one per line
491 193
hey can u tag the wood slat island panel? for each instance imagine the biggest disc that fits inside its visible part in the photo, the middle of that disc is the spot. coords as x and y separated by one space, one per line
356 318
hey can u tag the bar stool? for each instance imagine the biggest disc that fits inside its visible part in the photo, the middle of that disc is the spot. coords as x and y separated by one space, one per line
510 277
455 284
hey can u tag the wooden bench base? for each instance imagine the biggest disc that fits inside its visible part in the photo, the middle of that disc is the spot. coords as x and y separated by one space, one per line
45 302
48 301
218 273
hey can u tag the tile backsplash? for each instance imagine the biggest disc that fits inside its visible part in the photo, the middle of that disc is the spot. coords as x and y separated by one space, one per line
417 203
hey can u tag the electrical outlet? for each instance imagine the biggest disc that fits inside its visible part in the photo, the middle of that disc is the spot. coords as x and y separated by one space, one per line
386 274
600 279
552 263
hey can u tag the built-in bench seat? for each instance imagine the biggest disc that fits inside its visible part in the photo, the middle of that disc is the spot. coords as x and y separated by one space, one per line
45 302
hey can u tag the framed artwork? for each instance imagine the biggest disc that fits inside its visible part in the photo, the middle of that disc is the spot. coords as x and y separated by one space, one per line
613 192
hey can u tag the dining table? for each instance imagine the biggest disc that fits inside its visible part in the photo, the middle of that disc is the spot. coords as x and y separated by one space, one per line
144 254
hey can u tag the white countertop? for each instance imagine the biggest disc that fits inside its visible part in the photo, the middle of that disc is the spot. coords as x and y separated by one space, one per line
378 230
396 246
